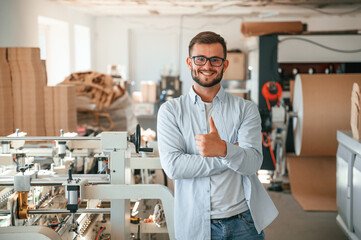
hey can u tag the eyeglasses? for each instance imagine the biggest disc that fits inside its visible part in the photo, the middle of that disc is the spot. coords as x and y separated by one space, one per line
214 61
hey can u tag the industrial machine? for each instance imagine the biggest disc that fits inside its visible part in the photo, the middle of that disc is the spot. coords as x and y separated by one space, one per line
40 202
348 184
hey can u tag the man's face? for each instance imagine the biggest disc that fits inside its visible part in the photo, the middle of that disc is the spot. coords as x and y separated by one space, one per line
207 75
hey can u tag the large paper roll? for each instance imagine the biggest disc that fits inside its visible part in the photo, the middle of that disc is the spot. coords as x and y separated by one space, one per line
323 105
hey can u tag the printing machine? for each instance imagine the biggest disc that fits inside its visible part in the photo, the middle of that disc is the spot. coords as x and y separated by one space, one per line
348 184
37 203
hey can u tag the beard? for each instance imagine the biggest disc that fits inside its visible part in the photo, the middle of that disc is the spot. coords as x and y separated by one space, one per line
215 81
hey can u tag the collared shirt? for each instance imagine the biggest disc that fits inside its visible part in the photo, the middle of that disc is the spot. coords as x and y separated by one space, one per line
237 121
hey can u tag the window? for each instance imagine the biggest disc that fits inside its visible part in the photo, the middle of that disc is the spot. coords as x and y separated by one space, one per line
54 48
82 48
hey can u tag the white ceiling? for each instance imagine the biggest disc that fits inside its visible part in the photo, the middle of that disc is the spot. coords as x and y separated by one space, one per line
255 8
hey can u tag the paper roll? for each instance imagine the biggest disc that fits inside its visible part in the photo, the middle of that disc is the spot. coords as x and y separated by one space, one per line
249 29
322 102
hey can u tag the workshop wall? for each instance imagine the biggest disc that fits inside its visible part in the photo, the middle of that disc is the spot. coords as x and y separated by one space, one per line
115 43
19 24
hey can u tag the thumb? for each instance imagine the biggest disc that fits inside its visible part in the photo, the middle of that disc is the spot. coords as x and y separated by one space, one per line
212 126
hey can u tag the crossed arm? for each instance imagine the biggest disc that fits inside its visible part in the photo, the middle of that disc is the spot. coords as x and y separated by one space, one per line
215 155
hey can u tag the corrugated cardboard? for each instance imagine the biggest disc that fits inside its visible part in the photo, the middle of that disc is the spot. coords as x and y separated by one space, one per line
6 99
28 81
237 67
5 78
64 108
6 112
17 93
249 29
313 182
49 111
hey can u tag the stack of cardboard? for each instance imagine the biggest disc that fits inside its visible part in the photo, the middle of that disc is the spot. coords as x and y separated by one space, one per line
25 102
60 109
28 81
6 99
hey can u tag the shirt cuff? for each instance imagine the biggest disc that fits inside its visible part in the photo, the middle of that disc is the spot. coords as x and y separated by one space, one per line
232 152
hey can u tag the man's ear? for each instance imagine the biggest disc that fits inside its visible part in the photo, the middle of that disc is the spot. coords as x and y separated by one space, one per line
225 65
189 63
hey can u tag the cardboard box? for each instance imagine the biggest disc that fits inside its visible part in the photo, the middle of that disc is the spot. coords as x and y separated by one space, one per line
149 91
243 93
237 67
249 29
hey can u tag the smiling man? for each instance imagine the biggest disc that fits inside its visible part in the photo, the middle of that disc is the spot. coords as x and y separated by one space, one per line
210 144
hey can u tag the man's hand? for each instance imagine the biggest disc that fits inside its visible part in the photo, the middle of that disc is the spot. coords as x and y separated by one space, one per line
211 145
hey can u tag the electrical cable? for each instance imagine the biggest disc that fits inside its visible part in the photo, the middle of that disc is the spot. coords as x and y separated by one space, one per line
269 145
320 45
101 230
325 12
103 169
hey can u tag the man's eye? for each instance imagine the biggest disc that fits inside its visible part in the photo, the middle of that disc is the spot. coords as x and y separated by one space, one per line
214 59
200 58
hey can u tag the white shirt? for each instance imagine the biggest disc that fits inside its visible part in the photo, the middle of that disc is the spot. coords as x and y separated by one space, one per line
226 199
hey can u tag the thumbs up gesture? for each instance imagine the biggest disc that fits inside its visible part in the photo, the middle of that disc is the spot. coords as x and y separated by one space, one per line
211 145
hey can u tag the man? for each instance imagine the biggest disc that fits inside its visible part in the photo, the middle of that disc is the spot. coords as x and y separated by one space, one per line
210 143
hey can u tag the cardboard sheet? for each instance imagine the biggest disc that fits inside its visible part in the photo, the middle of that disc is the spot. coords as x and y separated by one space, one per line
263 28
49 112
63 108
6 99
313 182
28 81
323 105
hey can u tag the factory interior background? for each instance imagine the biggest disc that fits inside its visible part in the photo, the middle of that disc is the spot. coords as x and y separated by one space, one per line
72 69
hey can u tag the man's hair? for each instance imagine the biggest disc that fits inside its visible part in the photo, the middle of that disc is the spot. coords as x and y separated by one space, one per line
208 38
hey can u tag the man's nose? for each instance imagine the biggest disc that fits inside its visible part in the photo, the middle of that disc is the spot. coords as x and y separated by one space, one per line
208 64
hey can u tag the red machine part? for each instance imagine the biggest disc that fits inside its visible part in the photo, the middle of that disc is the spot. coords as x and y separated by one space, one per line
269 96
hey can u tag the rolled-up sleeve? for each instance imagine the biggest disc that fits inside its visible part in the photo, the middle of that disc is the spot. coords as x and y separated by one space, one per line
176 162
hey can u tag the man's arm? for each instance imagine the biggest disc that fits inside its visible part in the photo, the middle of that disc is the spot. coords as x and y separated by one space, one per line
246 158
176 162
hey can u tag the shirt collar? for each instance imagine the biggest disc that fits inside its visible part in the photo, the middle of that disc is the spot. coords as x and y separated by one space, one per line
194 96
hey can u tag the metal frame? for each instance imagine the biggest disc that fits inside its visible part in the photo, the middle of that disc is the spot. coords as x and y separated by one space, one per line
115 187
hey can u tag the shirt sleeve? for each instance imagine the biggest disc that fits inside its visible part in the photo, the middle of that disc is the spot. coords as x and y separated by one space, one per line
176 162
246 158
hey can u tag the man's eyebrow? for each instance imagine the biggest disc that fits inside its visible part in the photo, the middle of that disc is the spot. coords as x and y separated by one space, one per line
207 57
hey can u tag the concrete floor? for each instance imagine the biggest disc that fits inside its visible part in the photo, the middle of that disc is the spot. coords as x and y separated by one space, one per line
296 224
